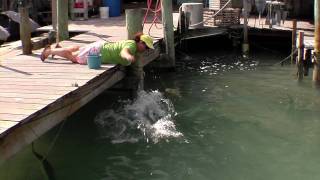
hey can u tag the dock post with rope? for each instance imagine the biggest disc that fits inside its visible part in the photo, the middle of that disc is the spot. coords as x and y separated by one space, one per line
300 56
294 37
316 70
167 21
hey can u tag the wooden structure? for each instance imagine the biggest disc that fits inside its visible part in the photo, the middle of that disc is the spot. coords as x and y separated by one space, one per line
36 96
227 17
300 60
167 22
230 15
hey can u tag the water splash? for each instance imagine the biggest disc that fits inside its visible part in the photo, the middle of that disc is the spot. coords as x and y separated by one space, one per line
149 117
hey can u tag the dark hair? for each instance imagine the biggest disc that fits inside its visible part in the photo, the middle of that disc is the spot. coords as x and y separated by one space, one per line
137 36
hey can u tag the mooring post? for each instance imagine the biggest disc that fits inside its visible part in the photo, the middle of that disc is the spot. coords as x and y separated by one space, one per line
294 41
62 20
316 69
25 28
245 44
307 61
300 55
54 14
167 21
134 19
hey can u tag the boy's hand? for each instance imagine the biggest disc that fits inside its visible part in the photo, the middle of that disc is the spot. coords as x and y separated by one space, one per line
130 58
125 53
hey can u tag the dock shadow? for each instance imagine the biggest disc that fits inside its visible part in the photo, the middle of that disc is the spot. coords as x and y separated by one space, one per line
15 70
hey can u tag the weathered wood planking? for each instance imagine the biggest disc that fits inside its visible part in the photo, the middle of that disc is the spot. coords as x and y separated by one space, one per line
35 96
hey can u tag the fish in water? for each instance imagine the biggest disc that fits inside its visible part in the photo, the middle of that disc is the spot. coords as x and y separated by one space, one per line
174 92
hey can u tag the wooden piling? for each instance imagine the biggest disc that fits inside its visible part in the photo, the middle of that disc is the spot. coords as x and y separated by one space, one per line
134 19
307 61
54 14
4 5
167 21
294 38
245 44
62 20
300 55
316 69
25 30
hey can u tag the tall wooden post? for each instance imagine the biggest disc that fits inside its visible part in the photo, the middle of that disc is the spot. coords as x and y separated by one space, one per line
62 20
316 69
167 21
4 5
25 28
300 55
134 19
293 40
245 44
54 14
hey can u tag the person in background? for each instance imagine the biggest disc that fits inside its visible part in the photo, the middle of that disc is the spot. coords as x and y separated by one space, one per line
121 52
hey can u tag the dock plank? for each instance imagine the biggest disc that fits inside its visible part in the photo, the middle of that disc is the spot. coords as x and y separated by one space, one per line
4 125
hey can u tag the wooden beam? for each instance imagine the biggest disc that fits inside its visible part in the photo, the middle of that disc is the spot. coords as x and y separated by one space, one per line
4 5
293 40
54 14
134 18
167 21
62 20
316 69
300 56
245 44
25 30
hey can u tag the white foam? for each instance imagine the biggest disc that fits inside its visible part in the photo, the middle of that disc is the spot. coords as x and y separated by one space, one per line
149 117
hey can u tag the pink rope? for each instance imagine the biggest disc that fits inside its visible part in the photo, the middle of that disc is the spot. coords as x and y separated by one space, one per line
156 11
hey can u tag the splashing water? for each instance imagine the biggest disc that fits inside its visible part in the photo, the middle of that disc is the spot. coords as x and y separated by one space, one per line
149 117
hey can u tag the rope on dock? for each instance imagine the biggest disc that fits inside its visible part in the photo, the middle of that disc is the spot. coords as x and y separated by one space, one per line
285 59
156 16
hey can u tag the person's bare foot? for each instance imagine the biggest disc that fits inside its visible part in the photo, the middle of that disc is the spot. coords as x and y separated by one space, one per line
45 53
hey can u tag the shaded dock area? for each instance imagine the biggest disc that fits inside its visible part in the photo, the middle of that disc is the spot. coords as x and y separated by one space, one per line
35 96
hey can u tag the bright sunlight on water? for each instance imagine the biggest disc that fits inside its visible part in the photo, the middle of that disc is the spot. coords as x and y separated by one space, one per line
218 117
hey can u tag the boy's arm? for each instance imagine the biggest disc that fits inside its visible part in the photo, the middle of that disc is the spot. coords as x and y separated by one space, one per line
125 54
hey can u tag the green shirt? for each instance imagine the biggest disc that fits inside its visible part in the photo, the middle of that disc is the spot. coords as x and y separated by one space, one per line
110 52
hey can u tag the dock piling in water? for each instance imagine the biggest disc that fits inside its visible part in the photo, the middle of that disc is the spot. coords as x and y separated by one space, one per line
245 44
167 20
300 56
294 36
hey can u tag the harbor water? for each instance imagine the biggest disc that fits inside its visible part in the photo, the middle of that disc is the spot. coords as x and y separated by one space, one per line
219 116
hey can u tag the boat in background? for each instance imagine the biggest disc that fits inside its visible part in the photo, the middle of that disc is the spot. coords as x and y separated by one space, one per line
10 22
4 35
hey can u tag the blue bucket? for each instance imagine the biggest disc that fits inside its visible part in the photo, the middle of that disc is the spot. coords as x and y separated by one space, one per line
114 7
94 62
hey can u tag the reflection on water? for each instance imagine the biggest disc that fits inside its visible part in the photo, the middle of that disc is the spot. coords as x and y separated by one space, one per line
218 117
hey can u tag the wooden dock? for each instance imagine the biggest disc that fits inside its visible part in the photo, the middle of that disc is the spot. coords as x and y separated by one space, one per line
36 96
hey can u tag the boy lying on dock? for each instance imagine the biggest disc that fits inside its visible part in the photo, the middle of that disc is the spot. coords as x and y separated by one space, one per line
121 52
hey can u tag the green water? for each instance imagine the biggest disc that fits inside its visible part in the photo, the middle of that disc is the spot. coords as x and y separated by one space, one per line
238 120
